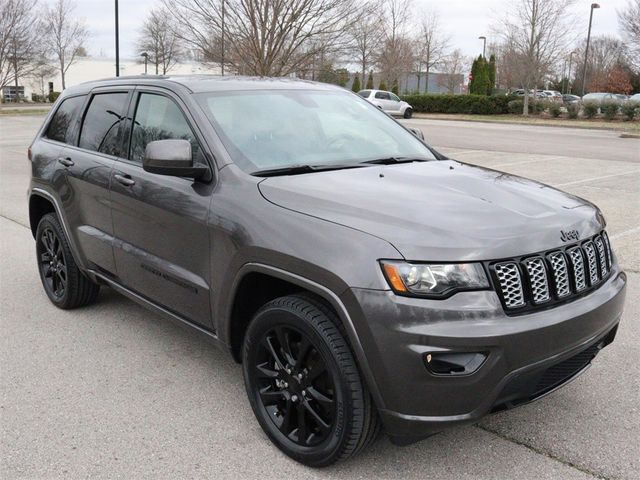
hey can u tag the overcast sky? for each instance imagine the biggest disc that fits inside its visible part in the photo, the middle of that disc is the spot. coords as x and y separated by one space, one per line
463 20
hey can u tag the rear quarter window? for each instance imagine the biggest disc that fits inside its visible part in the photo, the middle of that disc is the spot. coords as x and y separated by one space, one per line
61 127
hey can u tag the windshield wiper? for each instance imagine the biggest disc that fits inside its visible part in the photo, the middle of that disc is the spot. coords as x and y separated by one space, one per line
299 169
394 160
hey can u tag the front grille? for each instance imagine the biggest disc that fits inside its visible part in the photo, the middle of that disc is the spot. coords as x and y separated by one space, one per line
550 277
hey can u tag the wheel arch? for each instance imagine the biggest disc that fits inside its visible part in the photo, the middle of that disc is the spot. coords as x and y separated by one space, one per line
42 202
281 282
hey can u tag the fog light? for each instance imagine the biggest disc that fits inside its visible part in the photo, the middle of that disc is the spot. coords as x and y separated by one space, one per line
449 363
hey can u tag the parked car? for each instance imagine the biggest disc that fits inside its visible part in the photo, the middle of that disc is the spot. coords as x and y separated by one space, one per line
388 102
364 280
600 97
520 93
569 99
552 95
635 98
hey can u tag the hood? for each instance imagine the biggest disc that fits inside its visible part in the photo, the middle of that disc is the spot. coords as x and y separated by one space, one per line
439 210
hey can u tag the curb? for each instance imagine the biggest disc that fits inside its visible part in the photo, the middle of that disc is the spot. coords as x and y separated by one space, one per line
613 128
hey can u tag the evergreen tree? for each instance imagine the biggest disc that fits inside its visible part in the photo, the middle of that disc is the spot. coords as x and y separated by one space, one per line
382 86
394 87
355 86
370 81
474 77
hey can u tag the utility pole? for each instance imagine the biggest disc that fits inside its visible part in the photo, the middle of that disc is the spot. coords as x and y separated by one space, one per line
586 50
569 74
117 43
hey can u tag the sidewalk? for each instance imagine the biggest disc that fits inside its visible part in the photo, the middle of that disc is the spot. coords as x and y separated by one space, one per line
596 124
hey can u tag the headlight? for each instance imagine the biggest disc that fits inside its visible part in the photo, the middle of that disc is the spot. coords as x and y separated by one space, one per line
434 280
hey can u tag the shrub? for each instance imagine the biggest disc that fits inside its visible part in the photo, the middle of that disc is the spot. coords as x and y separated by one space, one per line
630 110
537 106
515 106
476 104
573 109
609 110
53 96
355 86
555 109
590 109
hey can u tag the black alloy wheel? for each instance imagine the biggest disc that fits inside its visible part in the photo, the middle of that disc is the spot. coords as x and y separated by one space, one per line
303 382
296 388
53 266
65 285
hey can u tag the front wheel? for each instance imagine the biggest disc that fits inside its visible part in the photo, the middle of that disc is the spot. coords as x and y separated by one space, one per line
303 383
408 113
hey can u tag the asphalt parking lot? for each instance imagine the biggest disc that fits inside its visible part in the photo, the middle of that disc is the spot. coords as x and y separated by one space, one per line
114 391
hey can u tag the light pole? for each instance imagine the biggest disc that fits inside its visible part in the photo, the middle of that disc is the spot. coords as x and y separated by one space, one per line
484 45
586 50
146 58
117 43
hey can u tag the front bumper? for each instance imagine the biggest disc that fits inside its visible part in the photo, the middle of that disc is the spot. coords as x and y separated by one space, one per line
397 332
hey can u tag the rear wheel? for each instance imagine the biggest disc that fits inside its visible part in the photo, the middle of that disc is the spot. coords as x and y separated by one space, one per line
66 286
408 113
303 383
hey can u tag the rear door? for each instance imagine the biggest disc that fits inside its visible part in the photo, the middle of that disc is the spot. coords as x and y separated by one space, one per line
88 161
162 246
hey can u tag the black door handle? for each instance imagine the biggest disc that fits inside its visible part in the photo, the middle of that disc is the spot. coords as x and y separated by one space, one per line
125 180
66 161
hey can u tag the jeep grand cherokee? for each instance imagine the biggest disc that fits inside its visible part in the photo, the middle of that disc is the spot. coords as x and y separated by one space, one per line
364 280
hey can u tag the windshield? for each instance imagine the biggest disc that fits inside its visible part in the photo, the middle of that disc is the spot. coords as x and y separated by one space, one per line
269 129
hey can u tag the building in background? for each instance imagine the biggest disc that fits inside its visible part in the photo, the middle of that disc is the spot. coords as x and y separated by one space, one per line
94 68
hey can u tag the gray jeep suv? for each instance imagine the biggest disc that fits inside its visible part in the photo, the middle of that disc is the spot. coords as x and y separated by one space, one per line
364 280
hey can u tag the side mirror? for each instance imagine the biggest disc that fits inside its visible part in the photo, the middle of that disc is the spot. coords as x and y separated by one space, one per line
171 157
417 132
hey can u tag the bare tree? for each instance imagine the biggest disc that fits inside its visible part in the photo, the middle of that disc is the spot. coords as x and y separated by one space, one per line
629 20
536 35
18 40
158 38
453 69
263 37
65 34
432 46
367 34
397 55
605 53
42 71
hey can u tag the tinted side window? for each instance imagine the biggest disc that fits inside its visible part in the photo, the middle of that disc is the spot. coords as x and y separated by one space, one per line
101 126
382 95
394 97
159 118
364 93
61 127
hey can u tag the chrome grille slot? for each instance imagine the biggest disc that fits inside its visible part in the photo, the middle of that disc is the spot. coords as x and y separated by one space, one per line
592 262
560 274
602 258
537 274
607 245
510 284
544 279
577 262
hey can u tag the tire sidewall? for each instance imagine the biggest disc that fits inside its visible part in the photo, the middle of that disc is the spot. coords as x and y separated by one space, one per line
265 320
408 113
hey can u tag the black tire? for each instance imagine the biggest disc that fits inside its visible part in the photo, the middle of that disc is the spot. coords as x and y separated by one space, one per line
65 285
338 415
408 113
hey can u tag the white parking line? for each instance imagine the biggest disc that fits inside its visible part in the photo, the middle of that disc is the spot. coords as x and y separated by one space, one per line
593 179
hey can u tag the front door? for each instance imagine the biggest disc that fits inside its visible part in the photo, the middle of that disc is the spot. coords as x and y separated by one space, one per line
162 245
